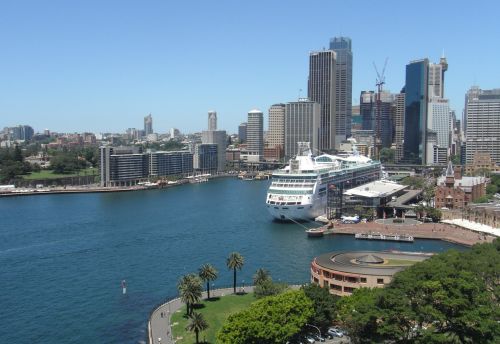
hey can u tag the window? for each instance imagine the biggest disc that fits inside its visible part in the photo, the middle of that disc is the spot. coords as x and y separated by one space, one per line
380 281
363 279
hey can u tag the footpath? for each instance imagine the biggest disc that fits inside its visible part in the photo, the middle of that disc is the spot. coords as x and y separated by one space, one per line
159 327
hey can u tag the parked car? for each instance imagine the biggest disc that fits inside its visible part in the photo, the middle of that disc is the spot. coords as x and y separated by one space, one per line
318 337
310 339
335 332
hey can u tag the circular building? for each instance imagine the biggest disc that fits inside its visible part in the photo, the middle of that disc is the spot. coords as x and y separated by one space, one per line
343 272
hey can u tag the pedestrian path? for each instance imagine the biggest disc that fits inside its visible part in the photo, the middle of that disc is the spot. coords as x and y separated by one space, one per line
159 327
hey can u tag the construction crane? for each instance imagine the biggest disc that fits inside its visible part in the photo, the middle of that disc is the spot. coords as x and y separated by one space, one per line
380 81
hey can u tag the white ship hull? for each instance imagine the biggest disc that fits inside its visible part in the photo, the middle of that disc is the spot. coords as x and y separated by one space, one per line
302 212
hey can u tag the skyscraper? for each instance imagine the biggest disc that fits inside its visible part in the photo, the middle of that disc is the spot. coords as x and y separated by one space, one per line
398 120
321 89
148 125
343 82
482 115
302 124
276 134
255 135
218 137
416 98
212 120
367 110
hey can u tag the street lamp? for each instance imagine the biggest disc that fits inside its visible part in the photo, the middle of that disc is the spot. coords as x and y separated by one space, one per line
159 340
319 332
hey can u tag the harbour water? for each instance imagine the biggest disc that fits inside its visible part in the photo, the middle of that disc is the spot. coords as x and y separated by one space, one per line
63 257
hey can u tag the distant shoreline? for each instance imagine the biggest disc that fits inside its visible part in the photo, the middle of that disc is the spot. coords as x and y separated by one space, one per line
96 189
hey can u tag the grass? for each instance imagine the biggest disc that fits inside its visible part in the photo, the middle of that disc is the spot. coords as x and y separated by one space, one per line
47 174
400 262
215 311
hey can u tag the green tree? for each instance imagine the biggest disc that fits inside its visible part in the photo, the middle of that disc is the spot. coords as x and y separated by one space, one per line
261 275
235 262
268 288
323 305
273 319
491 189
197 324
190 290
387 155
482 199
208 273
434 214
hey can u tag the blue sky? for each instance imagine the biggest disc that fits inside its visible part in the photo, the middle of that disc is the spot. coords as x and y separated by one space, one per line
101 66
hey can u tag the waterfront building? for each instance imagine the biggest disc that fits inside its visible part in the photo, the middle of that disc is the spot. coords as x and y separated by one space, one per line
212 120
344 272
276 133
487 214
343 84
302 124
242 132
148 125
321 89
205 158
219 138
482 123
122 166
176 163
255 136
453 191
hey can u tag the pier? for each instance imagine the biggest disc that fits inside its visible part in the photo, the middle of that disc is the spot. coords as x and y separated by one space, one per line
436 231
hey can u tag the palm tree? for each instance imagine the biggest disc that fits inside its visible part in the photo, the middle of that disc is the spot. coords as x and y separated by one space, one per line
208 273
235 261
261 275
197 324
190 289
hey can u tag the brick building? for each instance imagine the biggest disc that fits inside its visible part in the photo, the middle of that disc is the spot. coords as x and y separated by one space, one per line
455 192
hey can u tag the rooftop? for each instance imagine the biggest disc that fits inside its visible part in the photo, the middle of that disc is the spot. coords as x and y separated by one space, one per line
378 188
370 263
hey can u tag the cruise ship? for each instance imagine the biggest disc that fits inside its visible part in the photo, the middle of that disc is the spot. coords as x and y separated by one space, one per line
299 191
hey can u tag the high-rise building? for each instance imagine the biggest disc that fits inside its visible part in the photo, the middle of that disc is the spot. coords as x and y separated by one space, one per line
369 112
255 135
439 120
302 124
416 97
242 132
212 120
343 82
148 125
276 134
367 101
398 121
205 158
219 138
20 132
482 118
321 89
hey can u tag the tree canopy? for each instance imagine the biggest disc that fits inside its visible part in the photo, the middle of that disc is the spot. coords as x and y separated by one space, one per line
273 319
451 297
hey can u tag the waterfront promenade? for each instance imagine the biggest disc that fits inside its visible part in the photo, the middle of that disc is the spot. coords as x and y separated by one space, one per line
437 231
159 326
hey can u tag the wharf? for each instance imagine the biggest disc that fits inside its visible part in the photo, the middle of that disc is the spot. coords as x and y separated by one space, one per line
436 231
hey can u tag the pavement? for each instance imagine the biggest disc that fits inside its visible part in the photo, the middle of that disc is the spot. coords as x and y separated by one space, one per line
159 327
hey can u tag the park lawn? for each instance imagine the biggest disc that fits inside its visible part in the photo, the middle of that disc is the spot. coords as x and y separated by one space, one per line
215 312
47 174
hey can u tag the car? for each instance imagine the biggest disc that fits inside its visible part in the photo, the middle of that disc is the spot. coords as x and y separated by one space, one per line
335 332
317 337
309 339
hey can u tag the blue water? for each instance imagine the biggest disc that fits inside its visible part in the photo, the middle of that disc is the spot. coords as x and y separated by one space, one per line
62 257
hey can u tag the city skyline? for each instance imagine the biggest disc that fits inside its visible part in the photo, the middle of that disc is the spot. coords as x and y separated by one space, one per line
103 67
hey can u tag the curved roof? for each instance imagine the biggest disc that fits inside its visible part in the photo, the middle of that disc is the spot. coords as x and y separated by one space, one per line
369 262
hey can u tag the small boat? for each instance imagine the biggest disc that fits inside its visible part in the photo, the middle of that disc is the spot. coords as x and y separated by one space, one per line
316 232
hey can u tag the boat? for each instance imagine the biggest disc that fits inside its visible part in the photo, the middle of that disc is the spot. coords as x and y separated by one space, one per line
385 237
299 191
316 232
